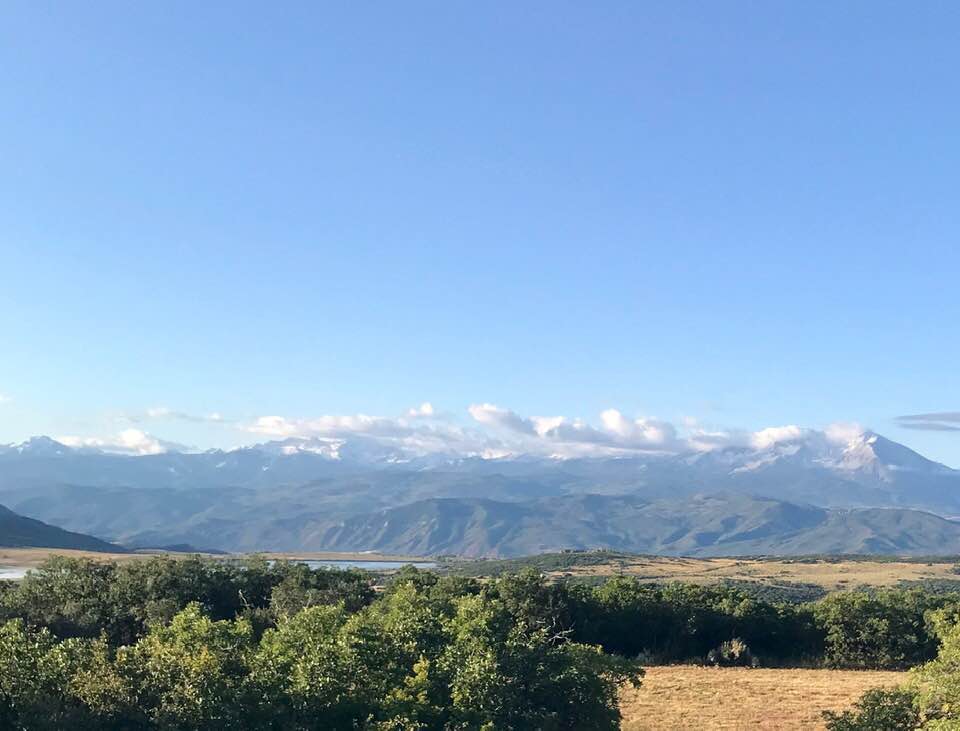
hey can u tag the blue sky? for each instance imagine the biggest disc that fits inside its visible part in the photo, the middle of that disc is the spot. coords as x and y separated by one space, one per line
743 213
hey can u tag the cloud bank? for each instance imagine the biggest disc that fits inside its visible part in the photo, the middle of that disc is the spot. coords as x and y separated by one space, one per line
165 413
934 421
486 431
129 441
494 431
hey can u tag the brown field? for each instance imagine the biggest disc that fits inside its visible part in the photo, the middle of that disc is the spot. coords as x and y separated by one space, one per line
32 557
696 697
832 575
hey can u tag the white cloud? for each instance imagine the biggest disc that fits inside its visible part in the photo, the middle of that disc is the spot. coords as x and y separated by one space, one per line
164 412
490 415
497 432
392 437
773 435
492 432
639 432
844 433
705 440
424 410
5 399
566 437
128 441
837 434
544 425
280 426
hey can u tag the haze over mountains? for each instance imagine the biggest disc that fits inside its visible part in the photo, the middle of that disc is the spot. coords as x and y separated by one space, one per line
19 532
787 491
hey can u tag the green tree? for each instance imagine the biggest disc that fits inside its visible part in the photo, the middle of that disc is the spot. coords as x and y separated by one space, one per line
507 675
884 629
191 673
879 709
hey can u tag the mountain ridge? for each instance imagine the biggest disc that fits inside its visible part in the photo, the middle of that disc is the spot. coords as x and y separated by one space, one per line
18 531
304 494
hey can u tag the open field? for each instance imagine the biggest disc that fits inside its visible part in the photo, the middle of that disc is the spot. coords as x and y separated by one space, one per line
696 697
33 557
828 573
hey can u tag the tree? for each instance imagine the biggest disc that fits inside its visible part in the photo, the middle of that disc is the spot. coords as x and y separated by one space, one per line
937 683
884 629
191 673
427 654
879 709
508 675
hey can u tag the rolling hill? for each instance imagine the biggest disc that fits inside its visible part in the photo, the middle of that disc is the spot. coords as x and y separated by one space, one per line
17 531
704 525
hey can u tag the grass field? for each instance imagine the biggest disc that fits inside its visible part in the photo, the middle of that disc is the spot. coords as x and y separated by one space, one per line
696 697
828 573
33 557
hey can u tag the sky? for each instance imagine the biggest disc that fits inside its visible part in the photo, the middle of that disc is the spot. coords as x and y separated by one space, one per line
715 216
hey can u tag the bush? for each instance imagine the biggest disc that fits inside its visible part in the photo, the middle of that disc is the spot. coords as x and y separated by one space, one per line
732 653
878 710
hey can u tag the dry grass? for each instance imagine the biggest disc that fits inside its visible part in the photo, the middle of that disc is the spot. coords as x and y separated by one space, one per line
696 697
831 575
33 557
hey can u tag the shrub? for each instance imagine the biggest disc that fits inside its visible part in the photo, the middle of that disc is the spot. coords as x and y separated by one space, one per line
879 709
732 653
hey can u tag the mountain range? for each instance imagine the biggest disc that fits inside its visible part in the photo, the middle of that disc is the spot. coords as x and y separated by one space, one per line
796 492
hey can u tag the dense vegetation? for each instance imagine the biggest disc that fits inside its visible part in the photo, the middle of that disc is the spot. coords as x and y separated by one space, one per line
205 644
199 644
929 700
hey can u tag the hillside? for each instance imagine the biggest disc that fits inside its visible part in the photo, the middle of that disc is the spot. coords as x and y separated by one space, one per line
710 525
17 531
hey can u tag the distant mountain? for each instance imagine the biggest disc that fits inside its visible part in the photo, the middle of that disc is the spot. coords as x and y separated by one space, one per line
308 493
714 525
17 531
37 447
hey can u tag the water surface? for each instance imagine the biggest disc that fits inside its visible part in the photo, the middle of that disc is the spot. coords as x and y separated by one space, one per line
368 565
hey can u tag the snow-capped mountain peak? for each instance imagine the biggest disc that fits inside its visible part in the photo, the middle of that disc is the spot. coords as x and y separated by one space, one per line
850 451
38 446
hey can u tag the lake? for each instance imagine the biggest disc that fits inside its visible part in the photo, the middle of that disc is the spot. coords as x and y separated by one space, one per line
368 565
13 572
